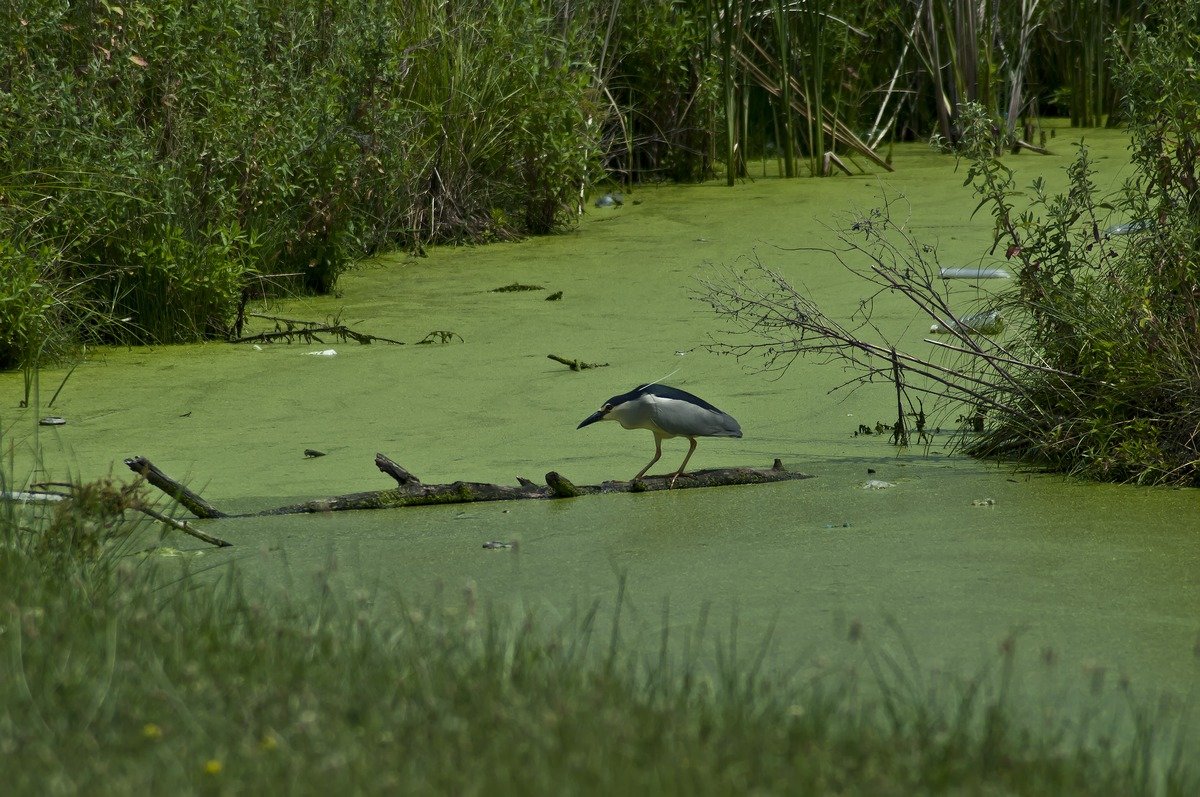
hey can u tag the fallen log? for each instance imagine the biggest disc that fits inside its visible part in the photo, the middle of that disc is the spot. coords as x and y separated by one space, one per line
411 492
1023 144
714 477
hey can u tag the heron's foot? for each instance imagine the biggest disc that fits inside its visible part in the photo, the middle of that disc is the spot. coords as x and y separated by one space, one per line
673 478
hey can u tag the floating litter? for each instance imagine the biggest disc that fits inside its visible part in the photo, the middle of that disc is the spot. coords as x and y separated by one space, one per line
323 353
1129 227
986 323
876 484
31 498
973 273
52 420
494 545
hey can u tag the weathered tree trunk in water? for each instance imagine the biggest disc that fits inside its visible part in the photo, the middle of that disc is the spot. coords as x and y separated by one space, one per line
411 492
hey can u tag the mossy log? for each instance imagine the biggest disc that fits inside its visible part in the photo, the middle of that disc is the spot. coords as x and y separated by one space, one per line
409 490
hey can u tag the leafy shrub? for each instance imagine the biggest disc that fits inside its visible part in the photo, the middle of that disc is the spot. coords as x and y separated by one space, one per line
87 526
179 154
1098 370
1120 313
25 307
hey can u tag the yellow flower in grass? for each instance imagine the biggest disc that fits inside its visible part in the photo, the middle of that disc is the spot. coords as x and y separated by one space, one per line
268 742
213 766
151 731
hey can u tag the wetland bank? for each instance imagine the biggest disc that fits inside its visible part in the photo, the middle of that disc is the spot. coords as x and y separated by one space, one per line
909 621
1098 584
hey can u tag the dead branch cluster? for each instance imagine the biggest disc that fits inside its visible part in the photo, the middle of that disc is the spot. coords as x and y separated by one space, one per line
771 319
292 330
575 365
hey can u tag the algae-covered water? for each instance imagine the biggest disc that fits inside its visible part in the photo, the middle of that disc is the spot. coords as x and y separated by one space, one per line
1091 578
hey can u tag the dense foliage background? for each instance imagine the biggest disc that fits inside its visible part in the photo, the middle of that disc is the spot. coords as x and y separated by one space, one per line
1118 315
1097 371
161 162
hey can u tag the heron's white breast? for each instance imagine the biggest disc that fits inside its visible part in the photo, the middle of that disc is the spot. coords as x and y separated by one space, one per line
639 414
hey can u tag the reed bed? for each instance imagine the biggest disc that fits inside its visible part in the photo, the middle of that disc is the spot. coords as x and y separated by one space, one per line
162 164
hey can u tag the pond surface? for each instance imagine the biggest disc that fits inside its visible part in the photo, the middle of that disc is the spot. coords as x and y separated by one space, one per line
1095 578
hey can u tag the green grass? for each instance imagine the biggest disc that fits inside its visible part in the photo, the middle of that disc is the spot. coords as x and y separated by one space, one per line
127 674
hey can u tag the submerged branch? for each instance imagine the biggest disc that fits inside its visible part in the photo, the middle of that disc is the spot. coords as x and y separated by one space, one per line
575 365
184 526
292 329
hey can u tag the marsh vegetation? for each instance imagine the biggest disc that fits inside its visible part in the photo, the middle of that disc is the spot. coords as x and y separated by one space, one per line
164 166
1095 370
163 163
130 671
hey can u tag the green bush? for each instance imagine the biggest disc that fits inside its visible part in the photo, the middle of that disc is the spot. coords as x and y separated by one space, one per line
1118 312
664 75
180 154
26 304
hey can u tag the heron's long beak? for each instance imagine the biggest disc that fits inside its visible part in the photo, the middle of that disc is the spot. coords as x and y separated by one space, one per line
598 415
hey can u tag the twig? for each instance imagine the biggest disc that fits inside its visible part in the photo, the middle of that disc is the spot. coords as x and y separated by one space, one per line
63 383
575 365
184 527
309 334
1009 360
515 287
294 328
440 336
899 433
306 335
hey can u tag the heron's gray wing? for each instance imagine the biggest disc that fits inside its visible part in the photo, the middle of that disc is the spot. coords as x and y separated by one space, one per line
685 419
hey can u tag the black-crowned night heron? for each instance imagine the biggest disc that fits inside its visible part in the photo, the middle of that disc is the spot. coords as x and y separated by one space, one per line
666 412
